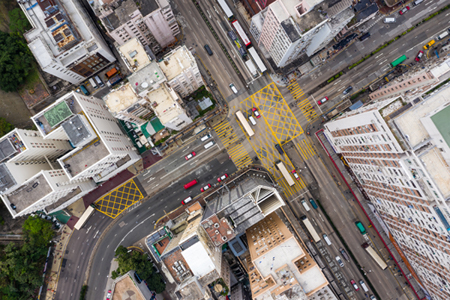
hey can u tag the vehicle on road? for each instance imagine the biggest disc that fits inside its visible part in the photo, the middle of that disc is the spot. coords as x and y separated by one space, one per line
190 184
205 137
347 90
99 81
226 9
245 124
313 203
344 254
355 286
256 112
372 297
281 167
360 227
279 149
364 37
311 229
327 239
322 101
187 200
295 174
208 50
190 155
363 285
340 262
205 187
398 61
84 217
389 20
108 295
429 44
233 88
419 55
209 145
417 2
375 256
93 83
305 205
222 178
404 10
442 35
252 120
84 90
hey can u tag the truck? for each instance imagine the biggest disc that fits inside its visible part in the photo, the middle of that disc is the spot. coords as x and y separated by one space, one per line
111 72
251 67
84 217
112 81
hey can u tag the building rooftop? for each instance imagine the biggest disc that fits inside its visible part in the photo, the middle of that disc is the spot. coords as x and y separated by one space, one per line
438 171
134 54
6 179
176 62
441 121
57 114
121 98
164 104
279 11
149 6
78 130
122 14
147 78
10 144
190 290
33 190
290 27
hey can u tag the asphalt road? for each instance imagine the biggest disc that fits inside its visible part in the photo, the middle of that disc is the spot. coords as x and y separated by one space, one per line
206 167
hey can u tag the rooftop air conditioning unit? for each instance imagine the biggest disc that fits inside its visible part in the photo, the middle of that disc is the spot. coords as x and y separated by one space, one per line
224 238
216 225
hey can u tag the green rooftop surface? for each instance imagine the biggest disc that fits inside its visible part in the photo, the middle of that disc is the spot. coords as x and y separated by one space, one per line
57 114
156 123
441 121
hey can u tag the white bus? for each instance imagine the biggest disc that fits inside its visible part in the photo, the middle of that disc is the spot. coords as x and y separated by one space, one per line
244 123
259 63
84 217
241 33
311 229
285 173
375 256
225 9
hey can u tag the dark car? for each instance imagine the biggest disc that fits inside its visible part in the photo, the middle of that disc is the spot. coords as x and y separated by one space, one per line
13 206
365 36
347 90
208 50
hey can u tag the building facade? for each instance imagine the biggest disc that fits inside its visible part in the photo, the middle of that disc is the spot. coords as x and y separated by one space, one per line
64 41
152 22
289 28
399 153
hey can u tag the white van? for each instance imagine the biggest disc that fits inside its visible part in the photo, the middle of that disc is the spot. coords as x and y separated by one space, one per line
209 145
442 35
233 88
364 286
305 205
389 20
252 120
93 83
327 239
205 137
417 2
99 81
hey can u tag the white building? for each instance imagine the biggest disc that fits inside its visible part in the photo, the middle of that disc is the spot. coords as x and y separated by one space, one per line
31 179
153 22
63 39
167 107
289 28
101 149
400 154
134 55
181 70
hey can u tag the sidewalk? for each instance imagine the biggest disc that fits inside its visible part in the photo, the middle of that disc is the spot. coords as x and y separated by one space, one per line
52 276
394 260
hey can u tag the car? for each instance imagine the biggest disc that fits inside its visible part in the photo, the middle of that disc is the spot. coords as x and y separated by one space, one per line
295 174
340 262
205 187
372 297
190 155
256 112
347 90
419 55
222 178
322 101
13 206
355 286
403 10
108 296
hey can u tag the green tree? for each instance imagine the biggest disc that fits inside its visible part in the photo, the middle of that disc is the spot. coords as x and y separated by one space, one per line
138 262
5 126
15 61
18 22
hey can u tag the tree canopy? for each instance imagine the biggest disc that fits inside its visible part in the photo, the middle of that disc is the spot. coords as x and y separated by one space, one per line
5 126
15 61
18 22
138 262
21 266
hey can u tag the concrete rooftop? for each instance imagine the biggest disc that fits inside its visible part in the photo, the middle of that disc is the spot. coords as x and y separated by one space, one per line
120 99
441 121
30 192
175 63
78 130
134 53
438 170
164 104
147 78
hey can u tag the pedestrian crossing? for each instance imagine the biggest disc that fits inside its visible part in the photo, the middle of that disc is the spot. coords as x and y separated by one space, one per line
233 145
302 101
306 149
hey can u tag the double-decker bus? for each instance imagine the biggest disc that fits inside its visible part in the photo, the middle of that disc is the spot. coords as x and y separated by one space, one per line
259 63
311 229
84 217
241 33
285 173
374 255
398 61
245 124
190 184
226 9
